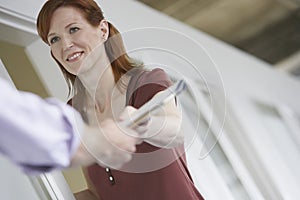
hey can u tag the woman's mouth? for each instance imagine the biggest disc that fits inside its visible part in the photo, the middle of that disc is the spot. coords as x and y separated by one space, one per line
74 56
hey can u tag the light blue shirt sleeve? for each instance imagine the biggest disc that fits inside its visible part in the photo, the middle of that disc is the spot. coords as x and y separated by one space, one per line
36 134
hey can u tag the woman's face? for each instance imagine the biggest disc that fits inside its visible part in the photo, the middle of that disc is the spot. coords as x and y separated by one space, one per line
72 37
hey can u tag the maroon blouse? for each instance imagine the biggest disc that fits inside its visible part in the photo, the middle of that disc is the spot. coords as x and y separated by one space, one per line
153 173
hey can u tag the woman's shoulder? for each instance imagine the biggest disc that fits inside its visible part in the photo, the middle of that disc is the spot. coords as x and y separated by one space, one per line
155 76
145 85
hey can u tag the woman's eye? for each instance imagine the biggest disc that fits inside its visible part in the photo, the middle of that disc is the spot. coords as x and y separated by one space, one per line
53 40
74 29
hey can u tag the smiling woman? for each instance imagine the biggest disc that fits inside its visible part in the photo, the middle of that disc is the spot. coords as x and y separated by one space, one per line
106 82
71 37
90 11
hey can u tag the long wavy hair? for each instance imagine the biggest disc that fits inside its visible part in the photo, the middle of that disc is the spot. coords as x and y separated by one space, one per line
114 46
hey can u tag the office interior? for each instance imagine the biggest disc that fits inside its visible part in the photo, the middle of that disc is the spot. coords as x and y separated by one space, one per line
241 112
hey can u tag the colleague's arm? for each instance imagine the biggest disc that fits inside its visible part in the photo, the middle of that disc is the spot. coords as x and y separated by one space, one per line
40 136
37 135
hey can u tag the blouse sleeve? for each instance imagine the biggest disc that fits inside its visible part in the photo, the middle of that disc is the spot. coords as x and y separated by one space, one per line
37 135
147 85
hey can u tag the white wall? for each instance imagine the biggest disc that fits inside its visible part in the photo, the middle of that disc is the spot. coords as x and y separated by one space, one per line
46 67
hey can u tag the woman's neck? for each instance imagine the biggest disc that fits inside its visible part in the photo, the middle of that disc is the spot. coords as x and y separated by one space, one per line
98 81
100 85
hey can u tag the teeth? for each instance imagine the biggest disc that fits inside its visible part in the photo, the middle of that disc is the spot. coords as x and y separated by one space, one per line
74 56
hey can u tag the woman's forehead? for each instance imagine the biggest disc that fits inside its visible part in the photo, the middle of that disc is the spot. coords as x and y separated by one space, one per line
64 16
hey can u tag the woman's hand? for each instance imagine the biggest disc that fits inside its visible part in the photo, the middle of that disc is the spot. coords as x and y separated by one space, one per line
139 128
161 128
164 126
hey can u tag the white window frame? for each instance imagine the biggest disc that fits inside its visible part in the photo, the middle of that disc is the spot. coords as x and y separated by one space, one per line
257 147
208 111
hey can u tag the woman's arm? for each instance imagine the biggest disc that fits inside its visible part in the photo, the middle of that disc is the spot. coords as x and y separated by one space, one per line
164 128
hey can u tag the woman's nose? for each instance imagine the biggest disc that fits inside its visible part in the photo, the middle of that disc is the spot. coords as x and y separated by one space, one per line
67 43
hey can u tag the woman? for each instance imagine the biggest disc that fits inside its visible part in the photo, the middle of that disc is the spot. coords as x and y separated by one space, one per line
104 79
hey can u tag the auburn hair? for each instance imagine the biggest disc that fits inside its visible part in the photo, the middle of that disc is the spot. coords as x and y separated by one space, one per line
114 46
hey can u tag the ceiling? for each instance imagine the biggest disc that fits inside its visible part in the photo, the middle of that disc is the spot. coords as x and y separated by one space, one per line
267 29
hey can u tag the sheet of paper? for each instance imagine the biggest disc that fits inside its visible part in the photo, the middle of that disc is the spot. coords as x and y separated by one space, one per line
156 102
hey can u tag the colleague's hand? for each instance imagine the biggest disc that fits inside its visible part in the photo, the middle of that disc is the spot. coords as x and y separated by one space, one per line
106 145
110 144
